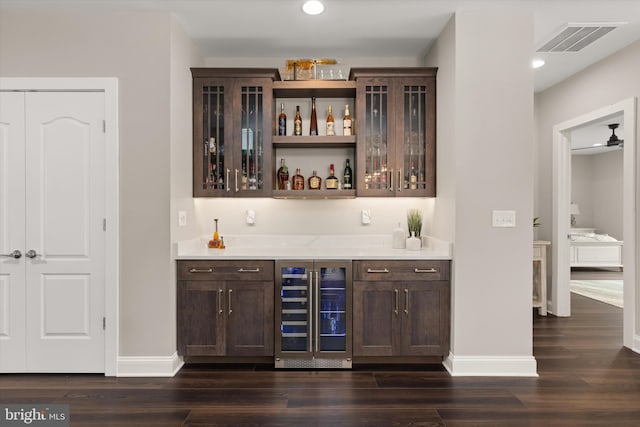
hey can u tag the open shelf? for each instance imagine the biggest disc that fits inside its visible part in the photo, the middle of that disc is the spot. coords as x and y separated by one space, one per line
313 141
314 194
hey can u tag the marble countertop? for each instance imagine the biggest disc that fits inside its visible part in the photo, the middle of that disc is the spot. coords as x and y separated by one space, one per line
334 247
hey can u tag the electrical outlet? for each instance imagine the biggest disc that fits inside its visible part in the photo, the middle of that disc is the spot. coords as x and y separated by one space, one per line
182 218
365 217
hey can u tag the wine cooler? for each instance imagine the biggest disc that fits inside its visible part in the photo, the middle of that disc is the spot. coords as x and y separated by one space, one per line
313 311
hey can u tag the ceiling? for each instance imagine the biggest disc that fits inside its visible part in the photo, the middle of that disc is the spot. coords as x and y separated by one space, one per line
365 28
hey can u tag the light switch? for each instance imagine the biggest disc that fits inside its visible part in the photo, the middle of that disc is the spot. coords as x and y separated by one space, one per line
504 219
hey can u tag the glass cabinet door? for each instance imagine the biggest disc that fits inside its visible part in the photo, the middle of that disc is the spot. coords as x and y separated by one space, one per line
294 310
332 302
416 167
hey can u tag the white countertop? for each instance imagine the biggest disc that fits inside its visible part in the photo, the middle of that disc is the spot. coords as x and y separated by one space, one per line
335 247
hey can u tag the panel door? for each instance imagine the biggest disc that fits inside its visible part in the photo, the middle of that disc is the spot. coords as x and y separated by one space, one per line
375 319
425 318
249 310
12 223
65 205
202 318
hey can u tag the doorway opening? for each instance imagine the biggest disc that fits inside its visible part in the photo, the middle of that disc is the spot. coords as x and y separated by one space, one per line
560 301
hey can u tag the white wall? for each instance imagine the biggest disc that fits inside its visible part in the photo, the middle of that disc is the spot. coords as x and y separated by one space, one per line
596 186
135 48
489 167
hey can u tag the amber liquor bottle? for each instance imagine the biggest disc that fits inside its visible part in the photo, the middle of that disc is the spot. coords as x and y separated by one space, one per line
297 122
331 123
313 124
315 182
298 181
282 122
347 123
283 176
331 183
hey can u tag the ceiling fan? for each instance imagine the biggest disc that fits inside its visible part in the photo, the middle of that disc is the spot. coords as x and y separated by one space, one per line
613 140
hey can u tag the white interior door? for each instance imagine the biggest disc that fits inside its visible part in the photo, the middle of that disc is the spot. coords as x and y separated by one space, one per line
12 236
53 208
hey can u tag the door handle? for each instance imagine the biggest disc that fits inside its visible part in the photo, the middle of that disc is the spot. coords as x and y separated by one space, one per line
230 309
406 301
228 183
31 254
237 189
395 310
249 270
15 254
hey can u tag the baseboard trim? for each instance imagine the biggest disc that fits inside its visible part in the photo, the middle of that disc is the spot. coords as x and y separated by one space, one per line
491 366
149 366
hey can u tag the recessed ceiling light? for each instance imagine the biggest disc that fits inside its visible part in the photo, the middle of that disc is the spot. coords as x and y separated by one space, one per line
537 63
313 7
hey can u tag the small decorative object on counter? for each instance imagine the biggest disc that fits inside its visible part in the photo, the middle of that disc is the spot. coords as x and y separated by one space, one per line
398 238
216 242
414 222
331 182
315 182
413 243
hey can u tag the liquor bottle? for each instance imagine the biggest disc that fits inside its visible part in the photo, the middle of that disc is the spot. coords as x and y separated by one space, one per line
283 175
331 183
347 183
297 122
413 177
313 124
298 181
346 122
315 182
331 123
215 241
212 146
282 122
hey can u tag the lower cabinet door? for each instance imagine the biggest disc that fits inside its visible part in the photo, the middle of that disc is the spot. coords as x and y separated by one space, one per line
375 319
201 318
425 318
249 312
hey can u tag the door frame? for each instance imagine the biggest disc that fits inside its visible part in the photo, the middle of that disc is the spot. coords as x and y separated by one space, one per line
109 86
560 302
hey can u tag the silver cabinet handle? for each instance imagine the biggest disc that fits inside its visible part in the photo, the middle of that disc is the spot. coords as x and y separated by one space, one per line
400 180
237 189
425 270
249 270
317 311
201 270
230 309
31 254
406 301
227 181
391 180
377 270
219 302
395 291
15 254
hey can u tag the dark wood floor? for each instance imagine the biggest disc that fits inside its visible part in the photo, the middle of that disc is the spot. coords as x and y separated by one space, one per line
586 379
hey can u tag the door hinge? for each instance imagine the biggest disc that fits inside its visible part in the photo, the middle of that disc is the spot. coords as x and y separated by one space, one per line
104 323
104 224
104 126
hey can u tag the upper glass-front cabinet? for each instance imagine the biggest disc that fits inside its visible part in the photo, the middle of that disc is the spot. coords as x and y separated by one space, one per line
395 112
232 132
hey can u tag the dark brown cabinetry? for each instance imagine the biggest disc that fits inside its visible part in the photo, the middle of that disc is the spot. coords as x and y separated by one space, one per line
401 308
395 114
225 308
232 121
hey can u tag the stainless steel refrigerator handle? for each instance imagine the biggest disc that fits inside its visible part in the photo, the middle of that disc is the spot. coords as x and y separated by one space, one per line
395 291
310 312
15 254
219 301
230 309
406 301
317 313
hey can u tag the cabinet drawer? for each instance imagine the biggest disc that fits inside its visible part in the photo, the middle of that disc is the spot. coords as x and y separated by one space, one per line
225 270
384 271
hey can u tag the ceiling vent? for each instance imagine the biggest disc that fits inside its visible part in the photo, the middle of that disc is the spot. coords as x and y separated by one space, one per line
575 37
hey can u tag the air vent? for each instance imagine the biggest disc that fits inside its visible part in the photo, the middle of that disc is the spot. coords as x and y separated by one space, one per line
575 37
